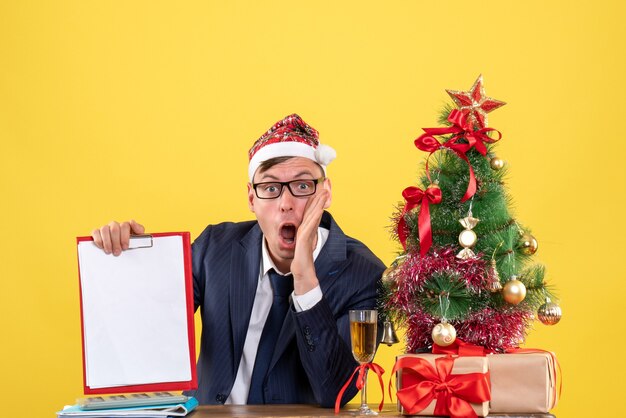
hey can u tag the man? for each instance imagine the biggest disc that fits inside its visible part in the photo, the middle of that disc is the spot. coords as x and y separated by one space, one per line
274 293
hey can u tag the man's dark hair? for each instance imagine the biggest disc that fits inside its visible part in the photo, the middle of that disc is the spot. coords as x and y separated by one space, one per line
267 164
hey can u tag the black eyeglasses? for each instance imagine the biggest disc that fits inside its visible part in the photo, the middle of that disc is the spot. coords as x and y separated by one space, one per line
298 188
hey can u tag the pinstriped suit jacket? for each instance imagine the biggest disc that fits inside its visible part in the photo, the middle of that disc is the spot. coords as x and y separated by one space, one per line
312 359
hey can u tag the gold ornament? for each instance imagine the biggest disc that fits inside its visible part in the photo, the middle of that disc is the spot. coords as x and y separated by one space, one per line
514 291
389 334
444 334
549 313
467 237
528 244
494 284
390 273
496 163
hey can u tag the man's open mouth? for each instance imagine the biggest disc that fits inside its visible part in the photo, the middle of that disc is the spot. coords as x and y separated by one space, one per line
288 233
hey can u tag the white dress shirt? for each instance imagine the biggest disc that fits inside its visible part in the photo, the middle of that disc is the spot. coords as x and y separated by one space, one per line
260 310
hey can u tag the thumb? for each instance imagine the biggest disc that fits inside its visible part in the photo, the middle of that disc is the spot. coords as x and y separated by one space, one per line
136 228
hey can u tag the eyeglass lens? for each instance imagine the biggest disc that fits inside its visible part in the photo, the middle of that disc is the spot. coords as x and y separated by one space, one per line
297 188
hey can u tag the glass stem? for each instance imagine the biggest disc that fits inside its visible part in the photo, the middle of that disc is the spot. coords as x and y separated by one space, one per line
364 406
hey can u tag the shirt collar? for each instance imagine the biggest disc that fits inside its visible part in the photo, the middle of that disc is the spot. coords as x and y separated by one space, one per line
267 263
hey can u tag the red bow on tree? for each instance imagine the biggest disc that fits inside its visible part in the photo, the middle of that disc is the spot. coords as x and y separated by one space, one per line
452 393
461 128
415 196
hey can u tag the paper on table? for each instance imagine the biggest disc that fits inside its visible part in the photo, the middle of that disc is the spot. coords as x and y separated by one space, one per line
134 314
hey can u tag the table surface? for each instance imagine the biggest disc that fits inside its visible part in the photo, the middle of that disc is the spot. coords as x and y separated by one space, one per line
305 411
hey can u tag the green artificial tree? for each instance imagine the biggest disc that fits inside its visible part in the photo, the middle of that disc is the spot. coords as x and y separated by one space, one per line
466 270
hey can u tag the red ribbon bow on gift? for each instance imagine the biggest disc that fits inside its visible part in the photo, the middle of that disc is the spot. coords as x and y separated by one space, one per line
461 348
453 393
461 128
415 196
360 382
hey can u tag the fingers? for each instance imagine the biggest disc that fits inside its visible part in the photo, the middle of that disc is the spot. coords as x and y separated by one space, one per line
136 227
97 238
315 208
105 233
114 237
128 228
307 231
116 244
302 266
125 228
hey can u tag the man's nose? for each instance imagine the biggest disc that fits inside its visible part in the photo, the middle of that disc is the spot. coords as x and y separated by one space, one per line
287 200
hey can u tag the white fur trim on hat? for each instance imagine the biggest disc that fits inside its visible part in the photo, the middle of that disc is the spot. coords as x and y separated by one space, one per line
323 155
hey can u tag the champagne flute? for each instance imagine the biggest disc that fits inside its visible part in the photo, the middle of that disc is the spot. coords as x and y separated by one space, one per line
363 336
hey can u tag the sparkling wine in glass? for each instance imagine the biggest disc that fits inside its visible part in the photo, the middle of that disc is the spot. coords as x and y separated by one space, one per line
363 337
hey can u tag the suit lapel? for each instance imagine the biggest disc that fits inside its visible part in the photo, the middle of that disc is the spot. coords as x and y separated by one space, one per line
244 269
332 259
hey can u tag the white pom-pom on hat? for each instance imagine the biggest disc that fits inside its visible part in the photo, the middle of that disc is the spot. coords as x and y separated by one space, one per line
325 154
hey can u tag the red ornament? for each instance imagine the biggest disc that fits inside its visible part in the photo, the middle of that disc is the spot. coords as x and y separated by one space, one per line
475 103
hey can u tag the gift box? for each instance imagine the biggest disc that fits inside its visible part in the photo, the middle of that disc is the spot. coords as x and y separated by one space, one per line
435 384
523 383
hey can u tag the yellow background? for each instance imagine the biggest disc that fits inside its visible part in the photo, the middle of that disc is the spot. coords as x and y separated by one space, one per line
146 109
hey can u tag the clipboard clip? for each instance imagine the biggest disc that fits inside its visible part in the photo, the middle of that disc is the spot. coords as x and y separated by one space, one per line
140 241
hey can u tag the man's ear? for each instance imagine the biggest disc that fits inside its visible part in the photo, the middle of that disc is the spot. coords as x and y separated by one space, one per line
328 187
250 198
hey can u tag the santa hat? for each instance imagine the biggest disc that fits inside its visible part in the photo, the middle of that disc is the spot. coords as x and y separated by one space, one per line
289 137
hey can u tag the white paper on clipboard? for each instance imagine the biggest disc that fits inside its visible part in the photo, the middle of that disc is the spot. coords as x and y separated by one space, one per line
134 311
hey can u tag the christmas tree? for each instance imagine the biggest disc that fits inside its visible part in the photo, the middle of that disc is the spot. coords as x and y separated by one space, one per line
466 270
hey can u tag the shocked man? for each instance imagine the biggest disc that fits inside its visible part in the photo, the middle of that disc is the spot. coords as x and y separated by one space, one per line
274 294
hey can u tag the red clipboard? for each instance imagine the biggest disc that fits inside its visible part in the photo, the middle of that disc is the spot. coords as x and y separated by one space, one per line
187 311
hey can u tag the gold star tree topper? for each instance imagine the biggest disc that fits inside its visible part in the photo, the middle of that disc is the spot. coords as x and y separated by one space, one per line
475 103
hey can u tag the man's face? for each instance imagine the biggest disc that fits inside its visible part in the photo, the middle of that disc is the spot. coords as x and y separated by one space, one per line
280 218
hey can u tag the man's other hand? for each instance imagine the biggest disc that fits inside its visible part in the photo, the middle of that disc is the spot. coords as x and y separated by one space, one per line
115 237
302 266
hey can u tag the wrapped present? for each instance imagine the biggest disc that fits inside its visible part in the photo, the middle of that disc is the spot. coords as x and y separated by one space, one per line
524 382
435 384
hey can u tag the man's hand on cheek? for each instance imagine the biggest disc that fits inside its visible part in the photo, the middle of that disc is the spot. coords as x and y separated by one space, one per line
302 266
